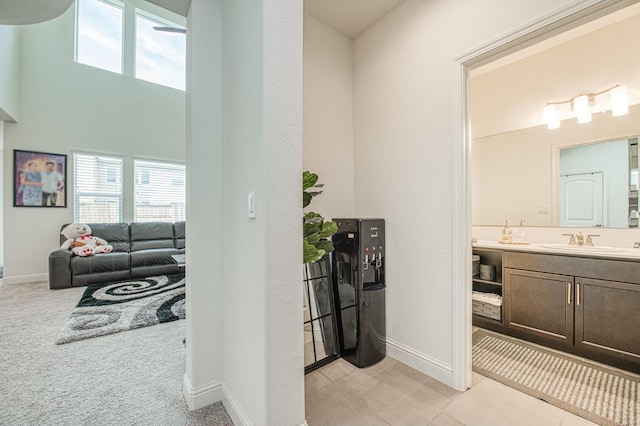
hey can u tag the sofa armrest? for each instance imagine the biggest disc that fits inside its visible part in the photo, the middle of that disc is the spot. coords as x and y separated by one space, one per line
60 269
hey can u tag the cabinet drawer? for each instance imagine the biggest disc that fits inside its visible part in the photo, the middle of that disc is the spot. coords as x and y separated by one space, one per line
588 267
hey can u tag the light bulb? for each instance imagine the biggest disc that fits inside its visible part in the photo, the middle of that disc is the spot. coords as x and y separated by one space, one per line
581 109
550 116
619 101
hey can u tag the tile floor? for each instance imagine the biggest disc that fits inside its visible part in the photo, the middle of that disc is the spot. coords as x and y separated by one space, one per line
391 393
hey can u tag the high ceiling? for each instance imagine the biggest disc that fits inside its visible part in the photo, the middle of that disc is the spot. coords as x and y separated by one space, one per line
21 12
349 17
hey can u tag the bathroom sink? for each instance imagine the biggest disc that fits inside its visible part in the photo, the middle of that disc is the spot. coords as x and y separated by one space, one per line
584 249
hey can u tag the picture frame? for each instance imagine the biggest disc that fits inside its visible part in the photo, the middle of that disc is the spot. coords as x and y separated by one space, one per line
39 179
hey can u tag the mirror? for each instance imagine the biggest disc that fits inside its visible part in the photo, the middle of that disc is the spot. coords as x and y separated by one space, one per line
517 162
595 184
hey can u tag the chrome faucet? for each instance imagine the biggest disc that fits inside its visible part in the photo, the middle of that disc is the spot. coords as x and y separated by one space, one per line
579 240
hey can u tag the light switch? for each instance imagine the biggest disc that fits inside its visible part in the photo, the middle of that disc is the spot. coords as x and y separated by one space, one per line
252 205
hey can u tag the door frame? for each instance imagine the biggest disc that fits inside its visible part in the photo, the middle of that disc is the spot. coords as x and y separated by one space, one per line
564 19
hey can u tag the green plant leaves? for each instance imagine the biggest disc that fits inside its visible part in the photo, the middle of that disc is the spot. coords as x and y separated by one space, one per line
311 253
315 230
308 180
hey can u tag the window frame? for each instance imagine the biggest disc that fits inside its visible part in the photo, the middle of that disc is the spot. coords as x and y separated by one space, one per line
123 33
148 183
76 194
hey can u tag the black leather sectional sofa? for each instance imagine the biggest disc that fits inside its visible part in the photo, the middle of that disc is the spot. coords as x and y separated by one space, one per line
140 249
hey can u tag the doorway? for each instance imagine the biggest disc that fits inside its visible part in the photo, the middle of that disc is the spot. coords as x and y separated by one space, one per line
543 30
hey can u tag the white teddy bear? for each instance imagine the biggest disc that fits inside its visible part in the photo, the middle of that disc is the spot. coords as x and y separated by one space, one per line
81 242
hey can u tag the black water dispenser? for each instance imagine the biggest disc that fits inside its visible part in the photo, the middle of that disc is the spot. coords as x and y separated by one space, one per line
359 286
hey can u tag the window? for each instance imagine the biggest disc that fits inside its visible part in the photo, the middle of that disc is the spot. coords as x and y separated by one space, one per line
160 55
99 34
103 40
98 188
159 191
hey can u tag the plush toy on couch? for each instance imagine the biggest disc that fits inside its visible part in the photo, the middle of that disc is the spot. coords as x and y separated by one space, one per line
81 242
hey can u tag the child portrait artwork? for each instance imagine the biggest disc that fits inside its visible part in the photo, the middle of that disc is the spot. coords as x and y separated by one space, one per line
39 179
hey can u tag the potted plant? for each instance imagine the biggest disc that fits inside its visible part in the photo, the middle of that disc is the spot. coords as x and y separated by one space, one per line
318 293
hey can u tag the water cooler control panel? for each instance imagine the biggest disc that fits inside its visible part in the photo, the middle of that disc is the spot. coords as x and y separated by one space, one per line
372 254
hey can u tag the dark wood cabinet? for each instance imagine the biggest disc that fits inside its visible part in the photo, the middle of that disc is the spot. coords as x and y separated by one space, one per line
608 318
540 304
588 306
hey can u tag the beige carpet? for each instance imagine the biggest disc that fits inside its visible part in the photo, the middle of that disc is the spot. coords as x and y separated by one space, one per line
603 395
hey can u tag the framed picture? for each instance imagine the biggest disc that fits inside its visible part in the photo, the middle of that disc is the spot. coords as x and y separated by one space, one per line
39 179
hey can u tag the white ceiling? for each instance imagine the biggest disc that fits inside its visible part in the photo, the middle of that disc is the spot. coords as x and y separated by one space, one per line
22 12
349 17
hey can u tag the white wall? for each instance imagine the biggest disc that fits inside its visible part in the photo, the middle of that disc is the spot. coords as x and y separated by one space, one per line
511 173
262 258
512 97
328 116
204 296
9 68
405 75
66 106
1 194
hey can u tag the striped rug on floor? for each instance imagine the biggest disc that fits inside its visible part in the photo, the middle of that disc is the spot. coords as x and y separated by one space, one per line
603 395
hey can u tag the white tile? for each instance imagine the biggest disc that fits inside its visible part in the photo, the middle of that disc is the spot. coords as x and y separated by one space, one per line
493 404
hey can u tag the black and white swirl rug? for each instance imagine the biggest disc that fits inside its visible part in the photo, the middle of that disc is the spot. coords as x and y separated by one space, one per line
108 308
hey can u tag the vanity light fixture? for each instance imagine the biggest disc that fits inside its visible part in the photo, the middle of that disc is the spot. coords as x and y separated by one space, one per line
619 101
581 106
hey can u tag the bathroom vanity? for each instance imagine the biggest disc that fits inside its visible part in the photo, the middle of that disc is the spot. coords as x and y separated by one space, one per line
583 302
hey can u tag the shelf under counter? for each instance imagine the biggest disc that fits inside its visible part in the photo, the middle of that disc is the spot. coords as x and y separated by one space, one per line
490 282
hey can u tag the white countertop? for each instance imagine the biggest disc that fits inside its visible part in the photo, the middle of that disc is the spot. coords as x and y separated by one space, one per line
632 254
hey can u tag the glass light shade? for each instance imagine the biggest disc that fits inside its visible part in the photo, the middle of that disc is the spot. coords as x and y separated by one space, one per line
581 109
619 101
550 116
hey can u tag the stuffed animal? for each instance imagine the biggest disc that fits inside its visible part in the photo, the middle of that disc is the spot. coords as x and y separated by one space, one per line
81 242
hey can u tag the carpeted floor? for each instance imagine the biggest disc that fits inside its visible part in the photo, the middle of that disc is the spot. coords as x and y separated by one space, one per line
129 378
604 395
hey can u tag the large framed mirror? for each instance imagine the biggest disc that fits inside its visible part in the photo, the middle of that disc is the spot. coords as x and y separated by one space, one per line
522 170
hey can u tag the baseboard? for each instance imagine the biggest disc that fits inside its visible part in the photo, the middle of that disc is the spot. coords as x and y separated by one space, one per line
234 409
201 396
25 279
424 363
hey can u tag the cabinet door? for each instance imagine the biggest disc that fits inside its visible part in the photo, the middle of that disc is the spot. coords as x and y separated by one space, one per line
539 304
608 318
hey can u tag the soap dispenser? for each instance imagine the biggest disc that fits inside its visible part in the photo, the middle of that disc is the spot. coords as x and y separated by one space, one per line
522 236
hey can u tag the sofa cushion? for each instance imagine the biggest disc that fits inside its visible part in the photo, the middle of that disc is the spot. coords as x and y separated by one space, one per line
104 262
116 234
179 234
151 235
152 257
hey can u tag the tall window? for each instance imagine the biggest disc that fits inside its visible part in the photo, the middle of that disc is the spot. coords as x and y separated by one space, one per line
99 34
160 55
106 36
98 188
159 191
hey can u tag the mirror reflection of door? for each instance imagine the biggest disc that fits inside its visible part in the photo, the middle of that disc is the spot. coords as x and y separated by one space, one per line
581 199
